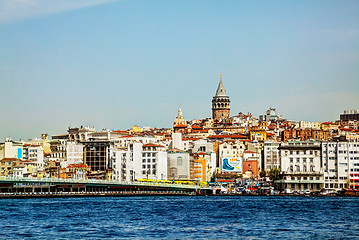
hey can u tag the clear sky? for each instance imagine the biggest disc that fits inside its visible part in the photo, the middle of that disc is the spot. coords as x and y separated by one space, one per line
112 64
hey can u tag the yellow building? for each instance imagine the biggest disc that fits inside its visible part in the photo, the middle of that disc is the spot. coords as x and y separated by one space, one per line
330 126
136 128
31 169
259 135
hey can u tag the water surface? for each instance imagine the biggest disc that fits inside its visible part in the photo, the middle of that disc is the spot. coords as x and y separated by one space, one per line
224 217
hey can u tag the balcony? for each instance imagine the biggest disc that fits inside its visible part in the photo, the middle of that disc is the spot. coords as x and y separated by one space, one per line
299 181
303 173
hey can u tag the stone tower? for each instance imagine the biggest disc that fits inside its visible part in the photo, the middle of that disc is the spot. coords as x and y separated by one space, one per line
220 103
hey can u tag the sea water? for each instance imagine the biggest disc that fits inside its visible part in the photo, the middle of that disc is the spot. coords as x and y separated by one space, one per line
187 217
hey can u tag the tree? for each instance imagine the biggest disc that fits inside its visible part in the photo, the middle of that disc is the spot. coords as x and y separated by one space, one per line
262 173
274 174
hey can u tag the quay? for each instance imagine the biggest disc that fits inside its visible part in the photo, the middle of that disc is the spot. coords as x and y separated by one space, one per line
22 187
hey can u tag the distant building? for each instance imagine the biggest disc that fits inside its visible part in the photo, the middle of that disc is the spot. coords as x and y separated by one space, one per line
220 103
270 116
79 134
11 149
304 135
350 115
179 120
309 125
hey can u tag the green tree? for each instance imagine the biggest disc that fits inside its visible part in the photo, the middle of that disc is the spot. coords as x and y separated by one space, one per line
274 174
262 173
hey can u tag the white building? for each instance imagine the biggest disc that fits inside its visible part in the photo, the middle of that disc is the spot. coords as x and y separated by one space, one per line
36 154
271 158
341 165
310 125
11 149
74 153
179 166
231 149
146 161
19 171
300 166
270 115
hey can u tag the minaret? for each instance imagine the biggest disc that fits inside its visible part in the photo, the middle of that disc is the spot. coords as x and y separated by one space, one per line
220 103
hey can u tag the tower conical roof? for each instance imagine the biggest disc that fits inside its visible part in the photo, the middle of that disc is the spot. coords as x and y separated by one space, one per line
221 92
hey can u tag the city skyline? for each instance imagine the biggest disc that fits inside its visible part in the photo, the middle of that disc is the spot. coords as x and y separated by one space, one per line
113 64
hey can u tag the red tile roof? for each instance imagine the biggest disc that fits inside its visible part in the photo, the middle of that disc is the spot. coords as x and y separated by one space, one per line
10 159
180 126
152 145
77 166
227 136
202 153
127 136
249 151
190 139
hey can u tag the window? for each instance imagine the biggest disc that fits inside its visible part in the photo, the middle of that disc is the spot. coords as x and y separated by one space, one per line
154 166
298 169
298 159
291 160
179 161
154 160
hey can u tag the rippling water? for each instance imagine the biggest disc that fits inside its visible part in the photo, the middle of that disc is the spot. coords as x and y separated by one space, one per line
216 217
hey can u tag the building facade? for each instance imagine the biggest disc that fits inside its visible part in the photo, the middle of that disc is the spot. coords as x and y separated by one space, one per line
300 167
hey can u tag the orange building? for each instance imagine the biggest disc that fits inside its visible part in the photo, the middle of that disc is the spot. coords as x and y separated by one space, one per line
305 134
250 166
201 161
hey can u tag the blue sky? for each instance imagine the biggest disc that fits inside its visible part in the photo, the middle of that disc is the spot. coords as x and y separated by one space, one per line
112 64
